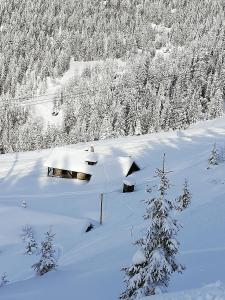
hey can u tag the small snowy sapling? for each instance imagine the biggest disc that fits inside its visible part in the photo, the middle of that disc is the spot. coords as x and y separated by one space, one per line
214 157
47 261
184 199
4 280
24 204
28 238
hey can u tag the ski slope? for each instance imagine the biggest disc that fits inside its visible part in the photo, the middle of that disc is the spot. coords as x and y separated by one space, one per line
89 263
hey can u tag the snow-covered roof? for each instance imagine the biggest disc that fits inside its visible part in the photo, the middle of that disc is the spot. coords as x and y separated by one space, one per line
108 166
91 156
68 160
129 181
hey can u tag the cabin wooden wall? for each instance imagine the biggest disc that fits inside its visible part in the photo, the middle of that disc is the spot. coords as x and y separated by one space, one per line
54 172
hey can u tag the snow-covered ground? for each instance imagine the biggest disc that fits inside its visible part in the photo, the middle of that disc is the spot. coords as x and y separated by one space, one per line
89 263
209 292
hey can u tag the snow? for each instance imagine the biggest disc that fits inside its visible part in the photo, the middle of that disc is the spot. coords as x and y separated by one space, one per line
89 264
162 52
138 258
129 181
92 157
214 291
160 28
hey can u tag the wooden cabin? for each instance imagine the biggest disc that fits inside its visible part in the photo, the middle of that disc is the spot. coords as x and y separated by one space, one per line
88 165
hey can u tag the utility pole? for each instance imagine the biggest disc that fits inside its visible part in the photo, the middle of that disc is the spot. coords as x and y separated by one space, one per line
101 208
164 157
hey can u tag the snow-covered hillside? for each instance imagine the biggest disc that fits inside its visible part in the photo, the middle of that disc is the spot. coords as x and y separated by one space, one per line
89 263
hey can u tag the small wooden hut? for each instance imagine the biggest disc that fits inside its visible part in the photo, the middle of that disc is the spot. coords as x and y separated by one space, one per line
91 159
128 186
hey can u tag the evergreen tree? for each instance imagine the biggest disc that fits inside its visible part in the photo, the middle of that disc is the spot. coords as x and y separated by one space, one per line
214 157
4 280
184 199
138 127
47 261
150 275
24 204
106 130
28 238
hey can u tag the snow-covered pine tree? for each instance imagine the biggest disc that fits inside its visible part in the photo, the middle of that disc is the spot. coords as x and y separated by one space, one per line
4 280
106 130
214 156
151 272
28 238
48 261
24 204
184 200
138 127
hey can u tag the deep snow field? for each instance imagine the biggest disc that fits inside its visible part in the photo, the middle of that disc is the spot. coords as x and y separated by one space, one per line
89 263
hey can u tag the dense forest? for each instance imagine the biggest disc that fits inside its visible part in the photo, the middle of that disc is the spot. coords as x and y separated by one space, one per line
173 73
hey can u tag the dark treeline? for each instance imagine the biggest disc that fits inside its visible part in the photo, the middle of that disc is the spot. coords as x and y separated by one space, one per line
172 73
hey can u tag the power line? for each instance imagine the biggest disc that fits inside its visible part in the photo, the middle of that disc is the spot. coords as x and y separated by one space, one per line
34 96
43 99
59 95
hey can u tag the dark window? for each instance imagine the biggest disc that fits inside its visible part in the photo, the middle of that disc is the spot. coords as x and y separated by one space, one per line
91 162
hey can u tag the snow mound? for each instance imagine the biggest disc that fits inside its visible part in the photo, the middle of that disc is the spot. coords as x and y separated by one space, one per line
214 291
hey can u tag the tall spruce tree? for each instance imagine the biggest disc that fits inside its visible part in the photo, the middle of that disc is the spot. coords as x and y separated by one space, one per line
151 274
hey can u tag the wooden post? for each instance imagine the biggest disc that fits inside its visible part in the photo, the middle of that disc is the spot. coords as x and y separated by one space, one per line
131 232
101 207
164 157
